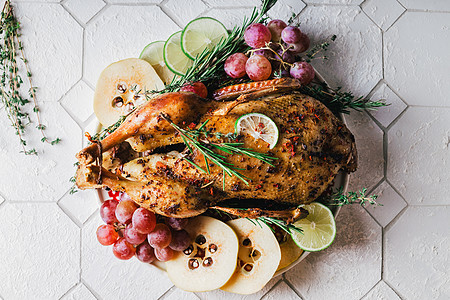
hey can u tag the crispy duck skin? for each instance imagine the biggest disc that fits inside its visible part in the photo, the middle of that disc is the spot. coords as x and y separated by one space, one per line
313 146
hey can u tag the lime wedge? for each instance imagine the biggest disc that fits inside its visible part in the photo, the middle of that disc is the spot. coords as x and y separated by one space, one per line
174 57
153 54
200 34
319 228
258 126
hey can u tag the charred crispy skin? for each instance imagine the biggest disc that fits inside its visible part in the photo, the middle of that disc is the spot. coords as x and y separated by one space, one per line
313 146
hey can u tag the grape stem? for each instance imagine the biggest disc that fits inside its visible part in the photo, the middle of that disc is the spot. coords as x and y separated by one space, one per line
280 58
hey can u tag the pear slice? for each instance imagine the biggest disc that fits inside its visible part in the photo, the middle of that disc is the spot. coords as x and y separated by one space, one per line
290 252
258 258
210 261
121 87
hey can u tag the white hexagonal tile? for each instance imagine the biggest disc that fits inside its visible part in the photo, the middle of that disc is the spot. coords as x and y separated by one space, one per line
391 203
416 58
233 3
417 257
219 294
80 292
335 273
79 101
383 12
112 278
185 11
418 156
381 292
385 115
354 58
44 177
39 244
285 9
80 205
369 144
281 291
111 36
1 199
133 1
230 17
84 10
48 1
344 2
426 5
177 294
52 42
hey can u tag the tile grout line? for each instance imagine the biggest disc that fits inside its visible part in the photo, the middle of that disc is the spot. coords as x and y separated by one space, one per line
69 290
272 288
371 289
167 293
93 292
292 286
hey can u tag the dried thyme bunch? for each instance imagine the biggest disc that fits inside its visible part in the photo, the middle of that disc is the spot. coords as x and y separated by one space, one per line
11 53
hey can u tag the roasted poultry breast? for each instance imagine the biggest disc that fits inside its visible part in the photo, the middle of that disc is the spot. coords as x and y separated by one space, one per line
313 146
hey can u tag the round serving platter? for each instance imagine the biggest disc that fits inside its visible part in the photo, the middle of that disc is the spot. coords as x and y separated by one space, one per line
341 181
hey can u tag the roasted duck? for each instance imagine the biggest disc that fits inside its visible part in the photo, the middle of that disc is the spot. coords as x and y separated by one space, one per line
313 146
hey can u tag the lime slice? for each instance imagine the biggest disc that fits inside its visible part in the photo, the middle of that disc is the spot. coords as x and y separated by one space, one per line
153 54
258 126
174 57
200 34
319 228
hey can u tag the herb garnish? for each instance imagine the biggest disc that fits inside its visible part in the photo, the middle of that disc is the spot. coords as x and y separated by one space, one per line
11 51
198 139
338 198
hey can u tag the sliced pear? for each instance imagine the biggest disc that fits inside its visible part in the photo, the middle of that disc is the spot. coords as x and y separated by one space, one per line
290 252
121 87
210 261
258 258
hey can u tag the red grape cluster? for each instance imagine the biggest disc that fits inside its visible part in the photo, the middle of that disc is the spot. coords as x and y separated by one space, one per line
275 51
134 231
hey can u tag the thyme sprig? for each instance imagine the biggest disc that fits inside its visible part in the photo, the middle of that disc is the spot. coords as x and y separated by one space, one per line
11 52
198 139
338 198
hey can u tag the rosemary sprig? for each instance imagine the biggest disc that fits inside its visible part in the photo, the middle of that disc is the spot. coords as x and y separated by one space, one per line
197 138
338 198
289 228
11 51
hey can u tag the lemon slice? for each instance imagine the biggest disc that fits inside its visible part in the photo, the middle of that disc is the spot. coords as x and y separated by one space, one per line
200 34
258 126
153 54
174 57
319 228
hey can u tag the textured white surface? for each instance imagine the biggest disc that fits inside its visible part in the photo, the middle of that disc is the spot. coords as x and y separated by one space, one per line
386 115
421 237
391 203
356 252
39 253
383 12
417 58
419 156
40 235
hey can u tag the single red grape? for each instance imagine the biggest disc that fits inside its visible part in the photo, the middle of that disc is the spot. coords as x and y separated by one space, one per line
258 68
196 88
291 35
133 236
276 27
108 211
303 72
257 35
144 221
287 56
123 197
301 46
264 52
106 235
180 240
235 65
160 237
145 253
123 249
125 210
164 254
177 223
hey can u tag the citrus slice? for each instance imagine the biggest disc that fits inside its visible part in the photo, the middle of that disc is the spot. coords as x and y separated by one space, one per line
319 228
174 57
153 54
258 126
200 34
